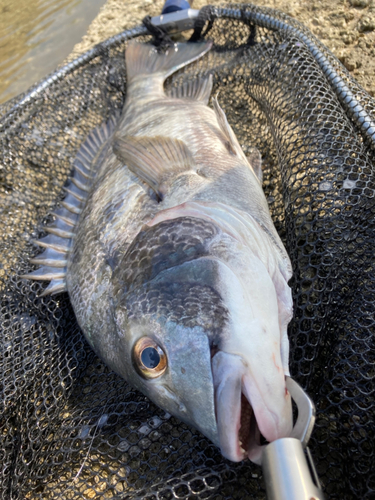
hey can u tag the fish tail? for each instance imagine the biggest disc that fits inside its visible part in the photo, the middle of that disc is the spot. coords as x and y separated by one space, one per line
144 60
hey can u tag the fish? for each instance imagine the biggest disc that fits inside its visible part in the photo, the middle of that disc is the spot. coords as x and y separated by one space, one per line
175 271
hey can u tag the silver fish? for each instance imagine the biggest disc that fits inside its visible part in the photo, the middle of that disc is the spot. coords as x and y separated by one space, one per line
176 273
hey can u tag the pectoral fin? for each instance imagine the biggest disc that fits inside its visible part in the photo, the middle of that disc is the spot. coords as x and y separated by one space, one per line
154 159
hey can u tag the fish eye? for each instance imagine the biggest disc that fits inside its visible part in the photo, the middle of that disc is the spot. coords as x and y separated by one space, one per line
149 359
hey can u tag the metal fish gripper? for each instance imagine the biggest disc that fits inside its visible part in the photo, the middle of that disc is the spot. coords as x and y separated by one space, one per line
287 464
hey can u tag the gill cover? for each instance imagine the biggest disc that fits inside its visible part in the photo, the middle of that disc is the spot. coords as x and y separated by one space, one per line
184 387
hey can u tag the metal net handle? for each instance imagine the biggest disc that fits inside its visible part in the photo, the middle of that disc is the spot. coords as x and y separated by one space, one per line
347 94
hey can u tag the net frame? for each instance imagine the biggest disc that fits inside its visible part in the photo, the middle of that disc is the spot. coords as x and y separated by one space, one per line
319 181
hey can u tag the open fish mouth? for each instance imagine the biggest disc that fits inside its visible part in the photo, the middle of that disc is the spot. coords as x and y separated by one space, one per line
245 417
249 436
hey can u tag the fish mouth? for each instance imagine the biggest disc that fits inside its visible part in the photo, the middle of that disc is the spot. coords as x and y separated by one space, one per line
249 436
246 419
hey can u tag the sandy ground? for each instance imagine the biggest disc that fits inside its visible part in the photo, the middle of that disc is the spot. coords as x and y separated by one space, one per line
346 27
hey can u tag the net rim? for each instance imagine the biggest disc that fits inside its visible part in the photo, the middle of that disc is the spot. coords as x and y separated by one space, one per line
260 16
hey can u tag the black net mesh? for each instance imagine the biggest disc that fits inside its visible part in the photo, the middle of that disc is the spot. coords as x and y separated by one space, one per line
72 429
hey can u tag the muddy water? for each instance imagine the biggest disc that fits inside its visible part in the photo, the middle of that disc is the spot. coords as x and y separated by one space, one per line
36 36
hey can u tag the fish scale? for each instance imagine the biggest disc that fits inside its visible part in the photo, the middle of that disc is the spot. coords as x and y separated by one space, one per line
165 243
159 247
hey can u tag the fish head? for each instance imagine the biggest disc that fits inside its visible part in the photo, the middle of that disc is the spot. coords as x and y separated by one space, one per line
180 351
202 340
165 332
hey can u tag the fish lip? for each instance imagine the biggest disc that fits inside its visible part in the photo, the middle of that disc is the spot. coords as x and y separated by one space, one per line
234 445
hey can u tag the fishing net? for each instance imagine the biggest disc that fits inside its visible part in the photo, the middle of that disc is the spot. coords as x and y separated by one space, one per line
69 427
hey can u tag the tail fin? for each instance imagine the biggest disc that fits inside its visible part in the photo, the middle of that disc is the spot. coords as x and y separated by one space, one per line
144 59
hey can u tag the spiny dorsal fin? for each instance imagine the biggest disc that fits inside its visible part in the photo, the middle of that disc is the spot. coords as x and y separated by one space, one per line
198 89
50 257
144 59
58 242
153 159
46 273
55 286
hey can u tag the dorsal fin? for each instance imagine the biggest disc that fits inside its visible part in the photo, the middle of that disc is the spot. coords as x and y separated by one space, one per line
153 159
58 242
198 89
